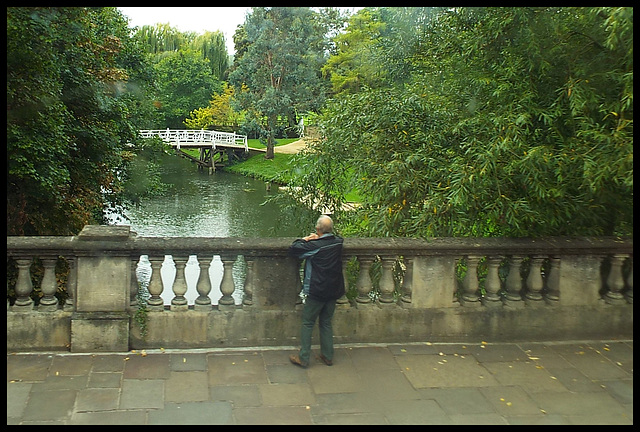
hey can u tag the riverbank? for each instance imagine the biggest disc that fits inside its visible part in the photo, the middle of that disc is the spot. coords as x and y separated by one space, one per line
276 170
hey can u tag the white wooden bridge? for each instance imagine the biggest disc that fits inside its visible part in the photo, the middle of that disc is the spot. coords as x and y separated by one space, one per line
210 143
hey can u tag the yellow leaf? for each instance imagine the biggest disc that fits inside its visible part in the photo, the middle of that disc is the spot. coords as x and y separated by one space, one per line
403 350
508 403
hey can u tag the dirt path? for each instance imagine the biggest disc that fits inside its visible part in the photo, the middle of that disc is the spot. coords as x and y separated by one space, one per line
291 148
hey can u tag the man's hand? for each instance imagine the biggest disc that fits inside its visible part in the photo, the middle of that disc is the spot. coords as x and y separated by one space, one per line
311 236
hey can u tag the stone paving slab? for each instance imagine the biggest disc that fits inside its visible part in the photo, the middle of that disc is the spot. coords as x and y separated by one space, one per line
569 383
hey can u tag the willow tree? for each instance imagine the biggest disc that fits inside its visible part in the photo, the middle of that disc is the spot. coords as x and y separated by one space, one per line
160 38
212 46
513 122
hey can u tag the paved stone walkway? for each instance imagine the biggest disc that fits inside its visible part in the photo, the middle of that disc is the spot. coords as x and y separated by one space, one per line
420 383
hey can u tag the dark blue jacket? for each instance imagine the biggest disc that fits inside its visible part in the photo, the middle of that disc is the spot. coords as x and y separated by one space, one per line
323 279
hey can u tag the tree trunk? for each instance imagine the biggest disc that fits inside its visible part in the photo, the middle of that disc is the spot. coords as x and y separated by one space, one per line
271 122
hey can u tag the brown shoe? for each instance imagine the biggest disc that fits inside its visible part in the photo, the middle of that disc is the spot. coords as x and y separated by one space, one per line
295 359
325 360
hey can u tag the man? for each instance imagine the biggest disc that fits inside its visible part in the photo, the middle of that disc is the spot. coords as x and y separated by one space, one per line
323 284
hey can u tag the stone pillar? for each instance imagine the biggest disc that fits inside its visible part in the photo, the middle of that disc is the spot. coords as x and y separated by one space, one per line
101 320
247 299
363 284
155 302
203 302
179 302
433 284
227 285
580 280
276 282
344 301
69 304
615 281
24 287
513 284
492 283
552 294
470 296
49 302
407 282
386 281
533 296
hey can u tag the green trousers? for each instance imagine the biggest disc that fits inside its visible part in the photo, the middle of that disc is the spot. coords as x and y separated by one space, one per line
314 310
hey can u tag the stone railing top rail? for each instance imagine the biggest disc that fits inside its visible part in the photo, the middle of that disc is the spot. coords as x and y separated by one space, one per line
120 240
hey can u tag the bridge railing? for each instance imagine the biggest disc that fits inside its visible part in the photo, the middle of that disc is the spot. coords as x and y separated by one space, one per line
184 136
399 290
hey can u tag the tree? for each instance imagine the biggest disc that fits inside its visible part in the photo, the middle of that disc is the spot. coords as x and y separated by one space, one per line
512 122
280 67
68 116
212 46
219 112
161 38
185 83
353 65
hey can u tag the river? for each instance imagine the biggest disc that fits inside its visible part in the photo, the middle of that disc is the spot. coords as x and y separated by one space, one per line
202 205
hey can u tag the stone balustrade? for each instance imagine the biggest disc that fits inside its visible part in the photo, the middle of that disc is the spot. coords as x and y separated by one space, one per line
399 290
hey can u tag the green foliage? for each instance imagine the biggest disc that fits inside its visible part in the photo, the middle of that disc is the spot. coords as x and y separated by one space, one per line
213 47
353 66
185 83
278 71
510 122
69 116
218 112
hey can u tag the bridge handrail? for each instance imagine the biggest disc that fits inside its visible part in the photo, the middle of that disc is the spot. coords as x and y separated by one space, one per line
196 136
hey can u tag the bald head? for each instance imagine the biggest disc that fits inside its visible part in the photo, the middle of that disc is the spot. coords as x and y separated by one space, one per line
324 224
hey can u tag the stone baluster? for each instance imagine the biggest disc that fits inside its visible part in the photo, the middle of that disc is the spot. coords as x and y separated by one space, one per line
72 285
363 284
386 280
615 280
179 302
407 282
533 295
344 301
24 287
135 287
227 285
492 283
49 286
203 302
155 302
552 294
629 292
513 284
470 296
247 299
